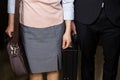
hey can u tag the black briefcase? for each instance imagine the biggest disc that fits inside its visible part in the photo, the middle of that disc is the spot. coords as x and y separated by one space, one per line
70 60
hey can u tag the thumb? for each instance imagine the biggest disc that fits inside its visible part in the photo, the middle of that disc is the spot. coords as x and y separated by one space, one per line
10 34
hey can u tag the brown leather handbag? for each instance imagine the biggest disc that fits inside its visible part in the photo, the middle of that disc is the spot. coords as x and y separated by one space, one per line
15 50
17 59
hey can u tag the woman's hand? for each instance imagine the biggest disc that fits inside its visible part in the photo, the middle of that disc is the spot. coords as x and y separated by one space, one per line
9 31
66 40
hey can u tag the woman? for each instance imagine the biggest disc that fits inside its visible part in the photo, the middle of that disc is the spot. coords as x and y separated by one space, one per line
43 33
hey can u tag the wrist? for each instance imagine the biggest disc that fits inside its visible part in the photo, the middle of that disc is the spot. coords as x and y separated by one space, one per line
10 26
67 33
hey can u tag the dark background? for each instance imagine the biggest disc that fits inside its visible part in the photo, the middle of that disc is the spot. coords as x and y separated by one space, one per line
3 22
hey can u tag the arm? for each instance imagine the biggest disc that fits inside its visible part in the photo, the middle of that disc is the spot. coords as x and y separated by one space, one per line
68 9
11 11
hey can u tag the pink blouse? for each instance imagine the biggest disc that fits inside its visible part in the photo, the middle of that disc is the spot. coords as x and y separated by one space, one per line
41 13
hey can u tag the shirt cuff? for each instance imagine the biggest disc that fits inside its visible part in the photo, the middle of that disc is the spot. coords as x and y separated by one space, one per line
68 9
11 6
69 15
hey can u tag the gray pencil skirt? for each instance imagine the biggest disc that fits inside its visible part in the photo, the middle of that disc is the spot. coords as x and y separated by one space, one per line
43 47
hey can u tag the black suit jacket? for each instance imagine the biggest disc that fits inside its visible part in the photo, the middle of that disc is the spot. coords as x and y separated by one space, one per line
87 11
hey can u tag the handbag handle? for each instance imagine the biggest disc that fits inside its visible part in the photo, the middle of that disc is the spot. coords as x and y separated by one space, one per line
15 37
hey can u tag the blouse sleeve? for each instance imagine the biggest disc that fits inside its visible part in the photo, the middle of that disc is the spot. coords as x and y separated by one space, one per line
11 6
68 8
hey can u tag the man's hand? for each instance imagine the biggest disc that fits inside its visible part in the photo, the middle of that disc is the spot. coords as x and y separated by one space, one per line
73 28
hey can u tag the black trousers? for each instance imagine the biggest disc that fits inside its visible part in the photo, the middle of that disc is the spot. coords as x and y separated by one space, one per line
88 36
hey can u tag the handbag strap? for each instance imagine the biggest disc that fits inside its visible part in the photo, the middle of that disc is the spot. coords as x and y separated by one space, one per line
15 38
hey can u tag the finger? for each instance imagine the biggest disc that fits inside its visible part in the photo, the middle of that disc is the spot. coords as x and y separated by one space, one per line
63 44
73 28
70 45
7 32
74 32
10 34
67 44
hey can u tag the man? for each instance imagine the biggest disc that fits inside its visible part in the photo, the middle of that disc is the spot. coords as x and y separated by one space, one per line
94 18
